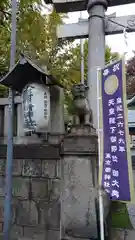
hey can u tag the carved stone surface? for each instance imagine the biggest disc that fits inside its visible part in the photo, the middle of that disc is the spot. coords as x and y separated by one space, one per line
78 201
53 235
32 168
57 110
80 145
79 184
79 91
54 189
34 233
49 168
117 234
20 188
17 166
36 192
2 210
2 166
130 234
16 231
39 188
81 105
27 213
2 186
32 151
54 215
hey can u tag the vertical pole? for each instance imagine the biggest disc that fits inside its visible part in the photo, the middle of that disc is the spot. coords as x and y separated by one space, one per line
82 55
8 180
96 59
96 49
101 208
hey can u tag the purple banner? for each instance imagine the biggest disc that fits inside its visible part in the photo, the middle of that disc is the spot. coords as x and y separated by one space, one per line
114 143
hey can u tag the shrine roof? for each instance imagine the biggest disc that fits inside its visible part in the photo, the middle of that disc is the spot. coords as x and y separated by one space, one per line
27 71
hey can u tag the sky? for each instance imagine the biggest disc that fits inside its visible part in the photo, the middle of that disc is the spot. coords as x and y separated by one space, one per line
116 42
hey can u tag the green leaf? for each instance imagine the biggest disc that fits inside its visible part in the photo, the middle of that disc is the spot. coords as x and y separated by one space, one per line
36 36
119 216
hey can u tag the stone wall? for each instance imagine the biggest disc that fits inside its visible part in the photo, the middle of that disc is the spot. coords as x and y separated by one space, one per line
36 192
121 234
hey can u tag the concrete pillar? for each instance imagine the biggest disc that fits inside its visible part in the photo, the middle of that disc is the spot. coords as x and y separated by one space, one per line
5 120
57 110
20 124
78 185
1 122
118 234
96 49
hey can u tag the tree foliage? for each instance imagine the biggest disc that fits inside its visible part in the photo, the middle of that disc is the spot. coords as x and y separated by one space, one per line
36 33
73 74
130 76
74 61
36 37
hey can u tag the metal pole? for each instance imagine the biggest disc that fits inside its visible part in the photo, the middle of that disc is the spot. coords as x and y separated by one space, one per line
82 55
101 207
96 49
8 179
96 59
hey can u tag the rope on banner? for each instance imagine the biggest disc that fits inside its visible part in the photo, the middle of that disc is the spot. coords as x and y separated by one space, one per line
127 52
126 28
125 40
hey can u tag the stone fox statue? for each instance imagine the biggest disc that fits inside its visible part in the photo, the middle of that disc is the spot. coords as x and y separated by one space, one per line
82 113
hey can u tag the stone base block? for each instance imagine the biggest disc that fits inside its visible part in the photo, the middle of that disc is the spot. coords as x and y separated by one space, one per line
120 234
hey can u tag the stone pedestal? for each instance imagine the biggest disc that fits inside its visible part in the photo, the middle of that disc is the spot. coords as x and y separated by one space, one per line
79 184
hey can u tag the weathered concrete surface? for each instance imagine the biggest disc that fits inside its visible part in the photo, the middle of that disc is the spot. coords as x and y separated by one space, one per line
41 180
78 207
121 234
32 151
79 182
57 110
36 193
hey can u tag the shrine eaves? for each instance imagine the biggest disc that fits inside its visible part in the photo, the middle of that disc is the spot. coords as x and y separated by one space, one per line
79 5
